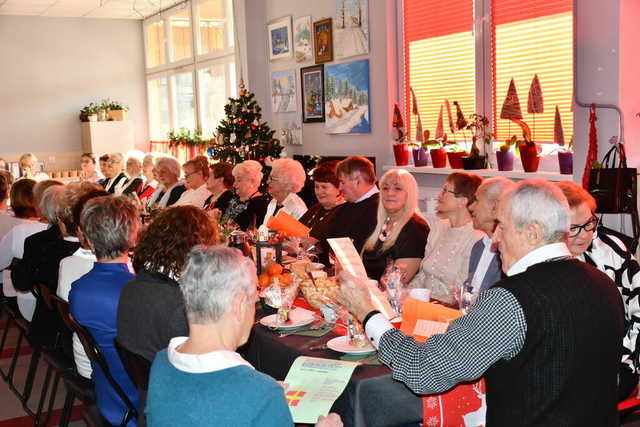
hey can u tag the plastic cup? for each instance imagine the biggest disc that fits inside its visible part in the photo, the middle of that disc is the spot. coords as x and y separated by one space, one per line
420 294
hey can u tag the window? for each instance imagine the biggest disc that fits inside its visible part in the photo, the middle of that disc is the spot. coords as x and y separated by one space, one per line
449 54
186 89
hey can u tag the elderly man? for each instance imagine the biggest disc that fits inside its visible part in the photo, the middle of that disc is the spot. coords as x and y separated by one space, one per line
546 338
484 262
357 217
200 380
195 179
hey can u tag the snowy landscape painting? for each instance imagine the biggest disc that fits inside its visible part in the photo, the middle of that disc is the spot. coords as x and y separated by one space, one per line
346 89
302 39
279 37
283 91
312 84
351 26
289 129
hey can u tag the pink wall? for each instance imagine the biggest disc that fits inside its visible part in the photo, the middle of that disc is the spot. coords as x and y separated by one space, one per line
630 76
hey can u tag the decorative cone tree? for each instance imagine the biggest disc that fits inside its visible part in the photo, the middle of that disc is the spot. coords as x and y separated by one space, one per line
242 136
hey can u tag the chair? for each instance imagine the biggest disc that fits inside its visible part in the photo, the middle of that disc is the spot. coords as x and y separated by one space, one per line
95 355
136 366
629 410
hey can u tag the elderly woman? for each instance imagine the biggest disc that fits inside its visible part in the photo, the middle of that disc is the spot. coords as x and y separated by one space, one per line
445 265
135 179
28 163
146 189
167 169
110 226
248 207
325 185
609 255
401 232
151 311
220 184
115 176
219 288
88 164
21 196
195 179
286 179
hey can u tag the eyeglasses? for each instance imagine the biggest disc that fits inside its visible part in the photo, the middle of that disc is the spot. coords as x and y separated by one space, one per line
446 190
590 225
187 175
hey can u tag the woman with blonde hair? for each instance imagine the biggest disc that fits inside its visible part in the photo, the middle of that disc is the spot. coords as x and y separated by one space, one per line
248 207
28 163
401 231
286 179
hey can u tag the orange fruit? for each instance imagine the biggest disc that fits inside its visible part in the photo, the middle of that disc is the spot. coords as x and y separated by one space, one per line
285 279
264 280
274 269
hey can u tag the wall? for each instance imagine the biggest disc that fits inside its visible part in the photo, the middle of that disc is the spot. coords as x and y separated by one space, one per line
382 71
629 81
52 67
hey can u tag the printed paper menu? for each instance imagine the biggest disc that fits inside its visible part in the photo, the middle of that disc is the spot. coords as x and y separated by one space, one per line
314 385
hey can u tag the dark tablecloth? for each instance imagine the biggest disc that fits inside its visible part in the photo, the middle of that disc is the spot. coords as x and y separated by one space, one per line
372 398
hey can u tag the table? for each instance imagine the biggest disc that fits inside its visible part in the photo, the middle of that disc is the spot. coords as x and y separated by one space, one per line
372 398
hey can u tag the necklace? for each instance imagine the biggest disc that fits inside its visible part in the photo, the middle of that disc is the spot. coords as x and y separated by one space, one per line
384 233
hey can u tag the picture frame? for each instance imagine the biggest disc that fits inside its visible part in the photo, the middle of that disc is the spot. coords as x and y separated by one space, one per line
279 38
302 40
283 91
323 41
347 96
312 93
351 25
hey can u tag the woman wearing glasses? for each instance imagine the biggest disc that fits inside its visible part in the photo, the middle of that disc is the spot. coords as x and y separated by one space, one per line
609 255
445 265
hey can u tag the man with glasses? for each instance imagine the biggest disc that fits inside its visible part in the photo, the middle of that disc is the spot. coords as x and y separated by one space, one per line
195 179
609 255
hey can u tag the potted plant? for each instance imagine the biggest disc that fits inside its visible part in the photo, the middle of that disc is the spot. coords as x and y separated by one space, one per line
117 111
419 151
565 159
400 148
505 156
529 155
89 113
478 125
102 110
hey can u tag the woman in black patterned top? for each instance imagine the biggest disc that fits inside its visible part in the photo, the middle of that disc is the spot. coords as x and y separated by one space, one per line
609 255
248 207
325 184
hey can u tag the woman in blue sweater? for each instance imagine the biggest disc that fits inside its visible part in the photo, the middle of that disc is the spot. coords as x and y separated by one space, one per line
200 380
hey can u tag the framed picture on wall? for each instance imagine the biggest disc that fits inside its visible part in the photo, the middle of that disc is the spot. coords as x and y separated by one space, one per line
352 28
279 38
302 39
312 83
283 91
323 41
347 98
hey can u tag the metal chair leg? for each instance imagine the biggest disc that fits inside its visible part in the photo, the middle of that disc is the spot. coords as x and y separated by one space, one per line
31 373
14 360
65 416
43 396
52 397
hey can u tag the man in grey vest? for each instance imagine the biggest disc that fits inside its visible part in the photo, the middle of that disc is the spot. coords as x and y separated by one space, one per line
546 338
484 261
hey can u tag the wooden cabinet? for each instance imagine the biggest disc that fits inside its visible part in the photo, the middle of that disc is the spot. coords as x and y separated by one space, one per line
107 137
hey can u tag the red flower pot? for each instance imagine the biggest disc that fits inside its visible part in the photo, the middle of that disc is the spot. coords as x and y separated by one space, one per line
455 159
529 157
401 154
438 157
505 160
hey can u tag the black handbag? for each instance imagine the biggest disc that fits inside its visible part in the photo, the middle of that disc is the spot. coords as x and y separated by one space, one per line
614 185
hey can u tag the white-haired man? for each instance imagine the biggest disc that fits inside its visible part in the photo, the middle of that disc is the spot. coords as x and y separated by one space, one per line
484 262
546 338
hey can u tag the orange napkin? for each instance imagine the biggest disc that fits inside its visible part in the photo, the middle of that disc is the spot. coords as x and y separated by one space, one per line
414 310
284 222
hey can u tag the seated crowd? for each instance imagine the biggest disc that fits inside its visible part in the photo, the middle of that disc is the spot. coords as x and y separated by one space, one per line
170 292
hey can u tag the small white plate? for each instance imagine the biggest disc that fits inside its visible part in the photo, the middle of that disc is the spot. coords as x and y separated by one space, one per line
341 344
297 317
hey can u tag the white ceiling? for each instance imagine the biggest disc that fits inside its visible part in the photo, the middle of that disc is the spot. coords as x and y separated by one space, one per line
110 9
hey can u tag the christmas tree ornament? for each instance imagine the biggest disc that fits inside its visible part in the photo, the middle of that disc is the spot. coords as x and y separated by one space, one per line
535 103
558 132
511 106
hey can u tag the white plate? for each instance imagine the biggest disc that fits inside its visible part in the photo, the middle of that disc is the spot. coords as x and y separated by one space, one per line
341 344
297 317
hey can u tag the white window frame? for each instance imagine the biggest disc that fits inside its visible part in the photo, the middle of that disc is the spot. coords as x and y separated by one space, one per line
195 63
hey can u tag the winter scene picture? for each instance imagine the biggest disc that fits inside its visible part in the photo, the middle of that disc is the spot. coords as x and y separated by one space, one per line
279 41
279 38
302 39
289 129
283 91
347 97
351 28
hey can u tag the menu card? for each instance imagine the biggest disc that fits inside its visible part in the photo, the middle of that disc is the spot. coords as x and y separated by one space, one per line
423 319
314 384
347 256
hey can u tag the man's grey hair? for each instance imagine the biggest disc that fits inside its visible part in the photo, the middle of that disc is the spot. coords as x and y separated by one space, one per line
494 188
50 202
111 225
171 164
210 280
536 201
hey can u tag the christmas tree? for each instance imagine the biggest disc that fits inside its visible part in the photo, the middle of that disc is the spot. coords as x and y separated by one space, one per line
242 136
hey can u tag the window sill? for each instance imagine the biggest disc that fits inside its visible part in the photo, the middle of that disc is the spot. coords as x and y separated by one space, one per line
514 174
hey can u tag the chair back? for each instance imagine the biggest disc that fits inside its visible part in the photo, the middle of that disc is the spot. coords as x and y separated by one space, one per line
95 355
43 294
136 366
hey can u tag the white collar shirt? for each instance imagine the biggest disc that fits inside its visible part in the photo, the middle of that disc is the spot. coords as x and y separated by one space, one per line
373 190
202 363
483 264
292 204
536 256
195 197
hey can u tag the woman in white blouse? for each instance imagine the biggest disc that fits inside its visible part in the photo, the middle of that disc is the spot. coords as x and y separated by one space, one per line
286 179
445 265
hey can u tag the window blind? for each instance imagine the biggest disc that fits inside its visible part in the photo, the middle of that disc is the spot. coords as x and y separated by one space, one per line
533 37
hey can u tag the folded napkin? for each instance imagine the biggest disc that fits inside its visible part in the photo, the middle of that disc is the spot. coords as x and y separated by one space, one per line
365 359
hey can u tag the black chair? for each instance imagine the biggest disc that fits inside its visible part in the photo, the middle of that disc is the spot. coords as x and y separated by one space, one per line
136 366
95 355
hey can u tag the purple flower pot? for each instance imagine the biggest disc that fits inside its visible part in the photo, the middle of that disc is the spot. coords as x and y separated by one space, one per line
565 160
420 157
505 160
